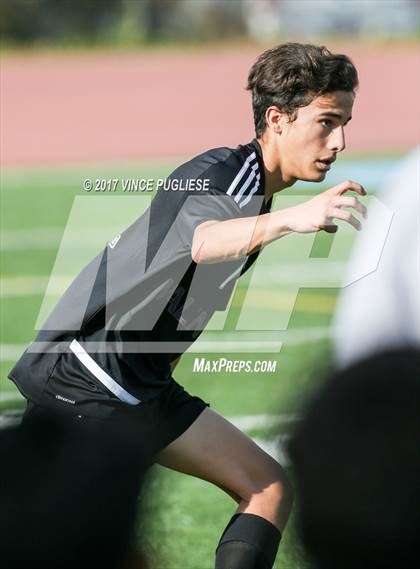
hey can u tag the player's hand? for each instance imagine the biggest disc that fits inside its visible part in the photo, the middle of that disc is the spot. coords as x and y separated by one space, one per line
319 213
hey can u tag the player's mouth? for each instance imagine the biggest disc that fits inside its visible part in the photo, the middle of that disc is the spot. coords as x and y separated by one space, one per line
325 163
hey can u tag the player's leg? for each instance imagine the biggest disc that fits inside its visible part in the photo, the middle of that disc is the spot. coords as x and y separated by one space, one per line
215 450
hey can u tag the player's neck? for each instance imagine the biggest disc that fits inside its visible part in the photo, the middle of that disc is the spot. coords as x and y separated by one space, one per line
274 179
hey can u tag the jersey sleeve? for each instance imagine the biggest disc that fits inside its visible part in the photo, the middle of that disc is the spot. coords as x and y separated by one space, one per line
211 205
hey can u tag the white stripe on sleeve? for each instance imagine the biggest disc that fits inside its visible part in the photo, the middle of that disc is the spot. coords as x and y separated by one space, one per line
248 181
251 193
241 172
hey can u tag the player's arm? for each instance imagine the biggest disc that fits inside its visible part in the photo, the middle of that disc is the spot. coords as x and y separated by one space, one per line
233 239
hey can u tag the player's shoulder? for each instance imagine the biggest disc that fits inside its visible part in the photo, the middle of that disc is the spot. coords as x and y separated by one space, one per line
228 169
225 159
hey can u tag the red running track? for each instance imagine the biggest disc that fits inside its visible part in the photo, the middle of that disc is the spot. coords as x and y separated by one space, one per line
72 108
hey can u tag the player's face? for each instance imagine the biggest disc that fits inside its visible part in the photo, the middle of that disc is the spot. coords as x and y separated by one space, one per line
309 144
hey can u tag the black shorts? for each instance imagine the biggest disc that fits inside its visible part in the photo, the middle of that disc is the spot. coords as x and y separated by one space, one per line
155 423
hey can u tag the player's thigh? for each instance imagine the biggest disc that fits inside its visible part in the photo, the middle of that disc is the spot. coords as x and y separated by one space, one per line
215 450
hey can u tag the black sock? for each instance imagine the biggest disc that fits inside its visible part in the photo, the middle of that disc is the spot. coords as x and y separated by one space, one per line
248 542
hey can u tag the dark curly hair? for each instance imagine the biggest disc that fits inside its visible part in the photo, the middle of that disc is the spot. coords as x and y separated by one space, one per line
291 75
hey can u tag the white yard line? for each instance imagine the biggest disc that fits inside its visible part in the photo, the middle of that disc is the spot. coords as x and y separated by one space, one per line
11 352
35 238
248 422
275 447
230 347
11 287
25 285
6 397
44 238
295 336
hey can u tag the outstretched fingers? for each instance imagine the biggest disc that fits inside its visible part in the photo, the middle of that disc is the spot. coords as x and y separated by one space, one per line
338 213
338 201
346 186
350 201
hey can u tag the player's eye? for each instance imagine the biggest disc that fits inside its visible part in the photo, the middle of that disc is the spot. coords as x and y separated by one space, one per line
326 122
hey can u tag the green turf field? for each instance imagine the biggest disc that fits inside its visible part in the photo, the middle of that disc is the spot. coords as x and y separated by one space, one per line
294 286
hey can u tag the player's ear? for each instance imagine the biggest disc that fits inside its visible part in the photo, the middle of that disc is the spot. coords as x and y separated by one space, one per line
275 119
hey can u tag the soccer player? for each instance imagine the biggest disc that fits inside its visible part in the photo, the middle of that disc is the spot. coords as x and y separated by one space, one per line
109 347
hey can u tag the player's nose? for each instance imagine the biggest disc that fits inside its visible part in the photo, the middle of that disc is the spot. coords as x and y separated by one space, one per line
337 141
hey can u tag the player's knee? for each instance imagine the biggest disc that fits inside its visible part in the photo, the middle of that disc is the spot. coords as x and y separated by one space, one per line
280 490
286 492
270 483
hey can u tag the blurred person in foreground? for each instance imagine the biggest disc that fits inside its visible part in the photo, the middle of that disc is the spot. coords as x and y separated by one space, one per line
382 309
111 344
356 460
68 495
